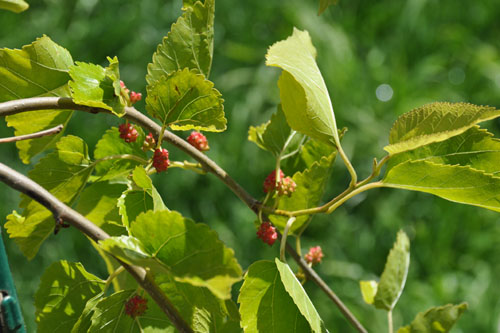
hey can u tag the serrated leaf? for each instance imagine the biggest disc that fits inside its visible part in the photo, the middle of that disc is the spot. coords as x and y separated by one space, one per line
312 151
98 203
438 319
368 290
475 148
276 136
393 278
39 69
95 86
456 183
132 203
435 122
16 6
109 316
299 296
324 4
189 44
64 173
64 290
309 191
111 144
303 92
265 305
186 100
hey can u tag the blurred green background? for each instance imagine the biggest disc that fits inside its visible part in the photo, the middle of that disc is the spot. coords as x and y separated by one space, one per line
379 59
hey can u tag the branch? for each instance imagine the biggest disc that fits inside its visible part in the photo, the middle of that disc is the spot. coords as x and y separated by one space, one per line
60 211
50 131
47 103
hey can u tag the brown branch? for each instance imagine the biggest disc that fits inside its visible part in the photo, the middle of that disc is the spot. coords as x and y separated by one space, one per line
44 103
62 212
50 131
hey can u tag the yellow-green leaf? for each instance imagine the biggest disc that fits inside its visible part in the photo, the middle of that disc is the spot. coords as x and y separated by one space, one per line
368 290
16 6
439 319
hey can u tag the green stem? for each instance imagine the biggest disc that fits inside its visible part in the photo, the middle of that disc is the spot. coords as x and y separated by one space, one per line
389 321
350 168
196 167
160 135
284 237
352 194
112 276
377 166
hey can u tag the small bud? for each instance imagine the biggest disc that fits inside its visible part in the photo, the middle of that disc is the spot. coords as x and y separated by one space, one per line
267 233
198 140
149 142
314 255
136 306
286 187
135 97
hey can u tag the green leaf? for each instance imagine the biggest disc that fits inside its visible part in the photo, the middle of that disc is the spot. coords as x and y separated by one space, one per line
142 180
299 296
435 122
109 316
64 173
324 4
475 148
185 100
95 86
132 203
83 323
439 319
265 305
276 136
456 183
368 290
311 152
310 189
189 251
64 290
189 44
16 6
303 92
39 69
111 144
394 276
98 203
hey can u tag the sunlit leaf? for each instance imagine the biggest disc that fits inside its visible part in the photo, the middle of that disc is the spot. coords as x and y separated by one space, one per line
439 319
303 93
95 86
186 100
435 122
83 323
189 44
368 290
39 69
64 173
393 278
142 180
16 6
299 296
265 305
64 290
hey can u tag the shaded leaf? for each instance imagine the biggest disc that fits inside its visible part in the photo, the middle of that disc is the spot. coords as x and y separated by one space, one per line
95 86
324 4
16 6
393 278
303 92
63 173
39 69
142 180
189 44
310 189
111 144
439 319
64 290
456 183
368 290
435 122
299 296
132 203
265 305
185 100
83 323
310 152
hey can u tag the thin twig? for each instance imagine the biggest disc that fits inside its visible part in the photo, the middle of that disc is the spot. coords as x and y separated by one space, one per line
46 103
25 185
50 131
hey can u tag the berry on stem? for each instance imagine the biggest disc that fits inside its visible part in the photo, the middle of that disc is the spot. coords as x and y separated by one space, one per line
160 160
149 142
314 255
286 186
128 132
198 140
267 233
136 306
135 97
270 181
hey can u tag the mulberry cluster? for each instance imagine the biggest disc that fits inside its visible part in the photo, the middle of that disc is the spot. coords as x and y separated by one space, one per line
198 140
286 185
128 132
314 255
160 160
136 306
267 233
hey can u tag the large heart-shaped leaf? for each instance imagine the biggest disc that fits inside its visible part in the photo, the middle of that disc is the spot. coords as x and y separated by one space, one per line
39 69
303 92
189 44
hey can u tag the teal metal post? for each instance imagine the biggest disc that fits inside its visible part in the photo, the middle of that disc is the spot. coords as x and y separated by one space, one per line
11 320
